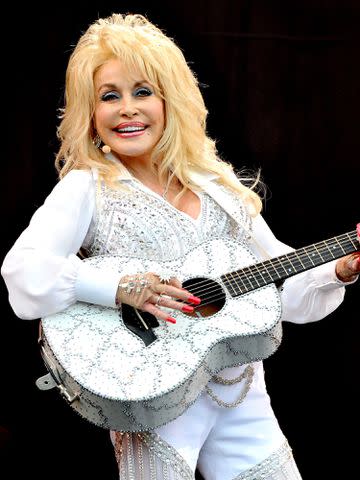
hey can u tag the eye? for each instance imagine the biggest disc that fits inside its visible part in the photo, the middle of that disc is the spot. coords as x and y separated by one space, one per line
108 96
143 92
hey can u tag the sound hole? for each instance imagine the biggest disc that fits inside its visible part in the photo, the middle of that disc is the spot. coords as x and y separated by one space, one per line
211 293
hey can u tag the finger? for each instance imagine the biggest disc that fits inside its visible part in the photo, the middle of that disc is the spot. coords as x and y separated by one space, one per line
348 267
175 282
168 302
355 264
138 299
179 293
154 310
157 299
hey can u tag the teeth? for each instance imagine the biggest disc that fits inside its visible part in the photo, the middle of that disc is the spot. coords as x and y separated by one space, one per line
130 129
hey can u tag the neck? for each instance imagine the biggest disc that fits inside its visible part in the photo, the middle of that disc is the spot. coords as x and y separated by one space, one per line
149 177
140 169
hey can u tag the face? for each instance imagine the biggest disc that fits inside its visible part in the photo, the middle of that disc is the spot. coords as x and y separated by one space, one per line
129 116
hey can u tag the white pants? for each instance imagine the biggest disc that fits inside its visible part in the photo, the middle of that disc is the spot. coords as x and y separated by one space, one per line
240 443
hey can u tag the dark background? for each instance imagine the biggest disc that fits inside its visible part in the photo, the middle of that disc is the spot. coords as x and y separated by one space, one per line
281 81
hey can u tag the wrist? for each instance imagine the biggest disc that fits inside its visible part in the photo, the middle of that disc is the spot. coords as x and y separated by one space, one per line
347 278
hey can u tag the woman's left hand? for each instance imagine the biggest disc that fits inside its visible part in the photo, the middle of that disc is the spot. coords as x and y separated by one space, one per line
347 268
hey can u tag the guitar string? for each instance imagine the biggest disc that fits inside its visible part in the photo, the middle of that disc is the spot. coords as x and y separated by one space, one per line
220 295
273 263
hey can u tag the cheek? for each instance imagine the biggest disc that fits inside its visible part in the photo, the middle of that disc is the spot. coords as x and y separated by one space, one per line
103 116
161 114
98 118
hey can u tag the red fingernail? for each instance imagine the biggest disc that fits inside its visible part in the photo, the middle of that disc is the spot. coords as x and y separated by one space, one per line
170 319
195 300
187 308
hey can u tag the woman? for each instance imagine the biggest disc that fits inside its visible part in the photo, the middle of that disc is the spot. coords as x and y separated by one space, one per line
140 178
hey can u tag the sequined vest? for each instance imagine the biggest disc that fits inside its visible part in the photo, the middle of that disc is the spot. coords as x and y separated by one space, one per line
140 223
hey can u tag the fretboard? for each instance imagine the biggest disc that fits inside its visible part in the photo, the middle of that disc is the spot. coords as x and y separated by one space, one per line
278 269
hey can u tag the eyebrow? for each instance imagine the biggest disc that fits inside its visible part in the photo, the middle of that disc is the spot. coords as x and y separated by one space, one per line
114 86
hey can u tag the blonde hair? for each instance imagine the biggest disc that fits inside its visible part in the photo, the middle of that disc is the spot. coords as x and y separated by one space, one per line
184 146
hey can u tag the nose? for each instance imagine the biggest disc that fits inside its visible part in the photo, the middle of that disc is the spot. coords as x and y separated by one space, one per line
127 106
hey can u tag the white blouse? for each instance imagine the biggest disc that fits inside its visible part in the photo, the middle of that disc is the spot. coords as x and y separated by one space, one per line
44 275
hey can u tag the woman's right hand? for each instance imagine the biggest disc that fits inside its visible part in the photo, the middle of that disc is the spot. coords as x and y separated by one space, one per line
147 292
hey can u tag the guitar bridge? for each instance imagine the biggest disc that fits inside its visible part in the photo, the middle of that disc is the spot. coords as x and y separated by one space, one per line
139 323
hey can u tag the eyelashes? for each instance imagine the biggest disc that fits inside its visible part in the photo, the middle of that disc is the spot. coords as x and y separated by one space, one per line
115 95
106 97
143 92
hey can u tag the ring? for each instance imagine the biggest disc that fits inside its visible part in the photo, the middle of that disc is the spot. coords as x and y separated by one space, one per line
158 301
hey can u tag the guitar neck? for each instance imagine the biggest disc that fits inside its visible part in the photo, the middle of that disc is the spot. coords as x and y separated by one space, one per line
279 268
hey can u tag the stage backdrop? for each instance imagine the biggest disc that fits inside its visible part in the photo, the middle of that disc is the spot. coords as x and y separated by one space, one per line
281 82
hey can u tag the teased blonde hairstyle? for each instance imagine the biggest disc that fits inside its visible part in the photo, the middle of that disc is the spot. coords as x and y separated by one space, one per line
184 146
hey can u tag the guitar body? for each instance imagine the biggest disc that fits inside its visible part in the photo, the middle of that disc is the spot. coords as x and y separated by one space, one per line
127 370
117 378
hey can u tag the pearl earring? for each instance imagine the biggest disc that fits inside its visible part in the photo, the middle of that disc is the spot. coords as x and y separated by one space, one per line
106 149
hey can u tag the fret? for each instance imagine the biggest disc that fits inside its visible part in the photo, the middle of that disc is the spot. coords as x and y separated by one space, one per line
264 272
231 287
250 278
288 266
234 285
328 253
296 261
318 253
279 261
299 258
310 256
344 245
259 277
340 246
273 273
284 266
245 283
347 245
352 242
291 262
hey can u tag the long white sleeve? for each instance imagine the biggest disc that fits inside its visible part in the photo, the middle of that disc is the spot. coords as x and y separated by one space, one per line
44 275
42 272
308 296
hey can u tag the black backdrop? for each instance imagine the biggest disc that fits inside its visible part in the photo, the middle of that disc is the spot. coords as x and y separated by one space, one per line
281 81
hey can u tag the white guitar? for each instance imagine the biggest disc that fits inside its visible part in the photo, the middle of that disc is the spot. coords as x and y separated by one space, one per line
130 371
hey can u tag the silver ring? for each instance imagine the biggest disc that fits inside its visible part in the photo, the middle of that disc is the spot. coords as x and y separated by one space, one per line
158 301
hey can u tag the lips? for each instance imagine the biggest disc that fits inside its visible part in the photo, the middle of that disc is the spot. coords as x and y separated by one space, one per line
130 127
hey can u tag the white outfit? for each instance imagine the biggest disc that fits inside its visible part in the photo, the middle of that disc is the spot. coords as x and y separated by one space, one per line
44 275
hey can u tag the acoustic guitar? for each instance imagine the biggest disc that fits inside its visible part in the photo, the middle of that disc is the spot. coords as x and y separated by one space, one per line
127 370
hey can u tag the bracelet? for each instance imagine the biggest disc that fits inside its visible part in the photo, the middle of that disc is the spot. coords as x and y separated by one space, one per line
132 283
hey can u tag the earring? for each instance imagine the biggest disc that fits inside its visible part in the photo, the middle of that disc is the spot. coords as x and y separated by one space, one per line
97 141
106 149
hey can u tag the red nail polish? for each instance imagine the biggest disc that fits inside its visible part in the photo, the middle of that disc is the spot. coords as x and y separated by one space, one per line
170 319
187 308
195 300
